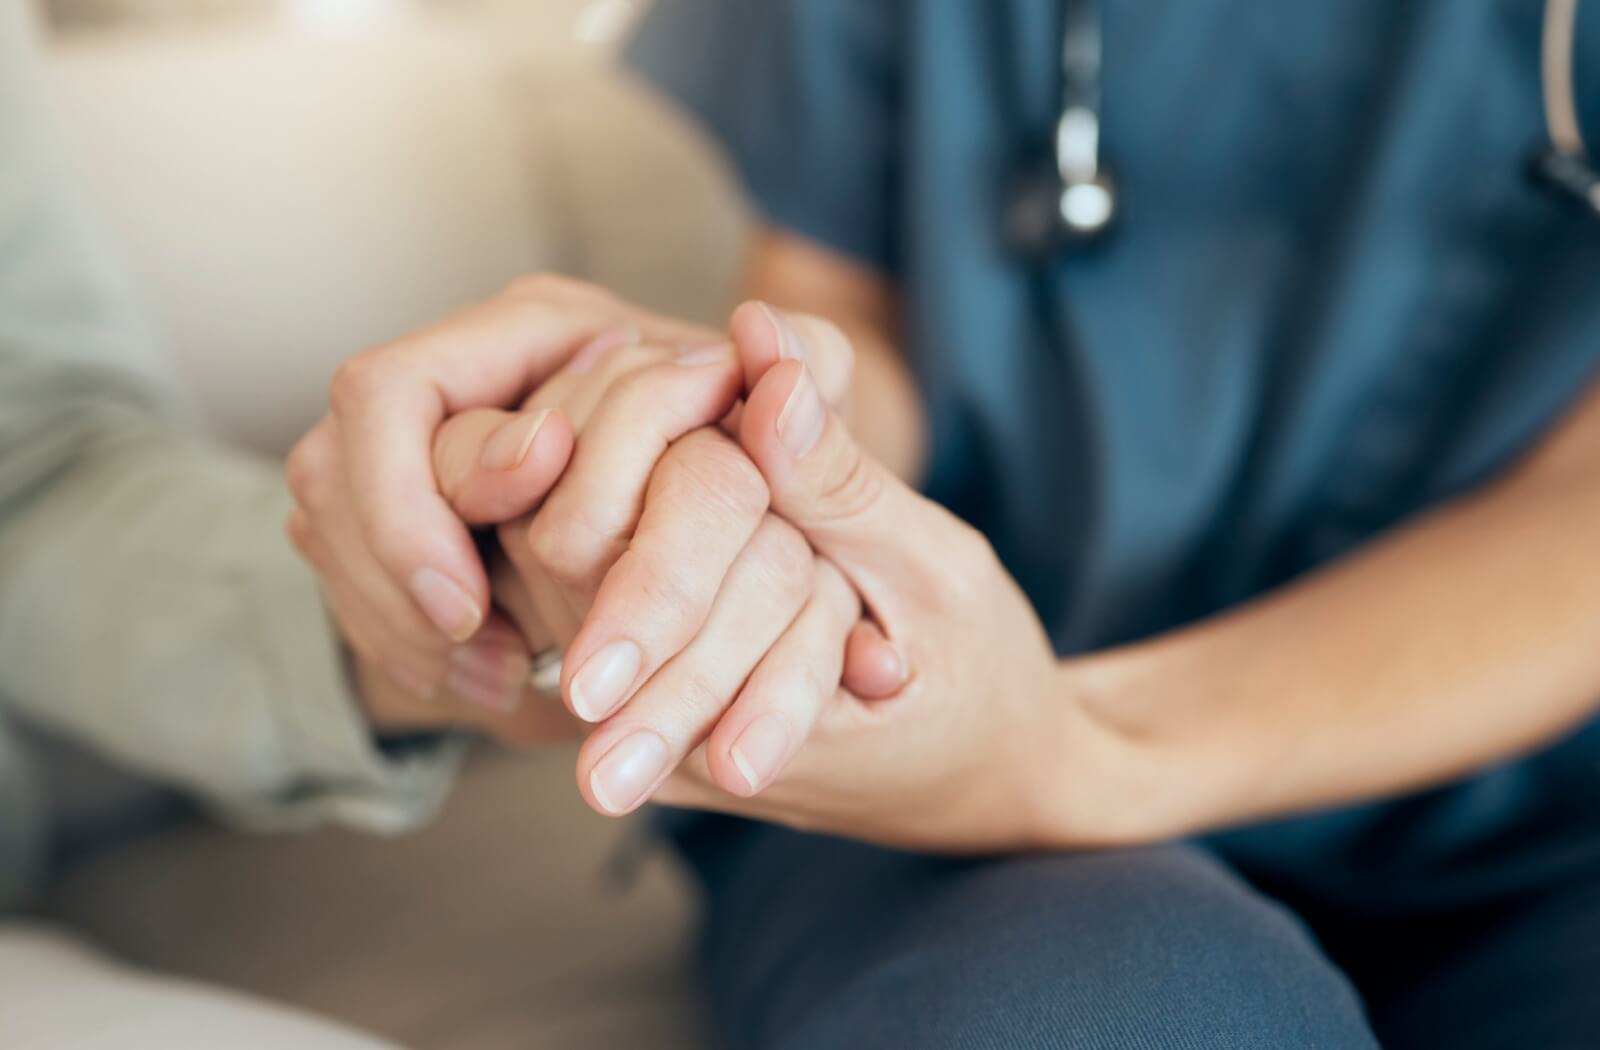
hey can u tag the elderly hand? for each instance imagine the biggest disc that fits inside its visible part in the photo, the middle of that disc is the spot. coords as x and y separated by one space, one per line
659 523
406 584
973 752
704 618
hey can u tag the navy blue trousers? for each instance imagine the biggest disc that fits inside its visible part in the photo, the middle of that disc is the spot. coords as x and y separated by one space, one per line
1464 919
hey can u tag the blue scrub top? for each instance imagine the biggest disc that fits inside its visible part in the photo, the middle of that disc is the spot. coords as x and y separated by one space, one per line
1333 298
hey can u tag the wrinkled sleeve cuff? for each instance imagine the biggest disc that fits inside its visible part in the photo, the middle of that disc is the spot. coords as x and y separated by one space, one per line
338 772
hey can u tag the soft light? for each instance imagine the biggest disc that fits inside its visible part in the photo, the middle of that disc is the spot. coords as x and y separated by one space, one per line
342 17
602 22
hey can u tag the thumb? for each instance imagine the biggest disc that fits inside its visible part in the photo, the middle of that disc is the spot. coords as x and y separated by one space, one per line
494 467
766 335
890 542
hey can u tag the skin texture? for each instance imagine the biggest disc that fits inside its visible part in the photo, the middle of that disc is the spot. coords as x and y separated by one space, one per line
620 508
402 574
942 766
1465 639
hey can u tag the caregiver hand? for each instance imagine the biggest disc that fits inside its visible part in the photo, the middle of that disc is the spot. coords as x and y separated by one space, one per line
704 619
988 746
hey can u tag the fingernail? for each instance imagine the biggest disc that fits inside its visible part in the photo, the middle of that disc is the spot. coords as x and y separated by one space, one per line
800 423
450 608
508 447
619 780
601 683
600 345
705 354
790 346
760 750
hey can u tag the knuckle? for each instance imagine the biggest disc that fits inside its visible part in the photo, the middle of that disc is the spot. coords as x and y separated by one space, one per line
786 559
668 592
356 379
303 468
697 699
547 285
560 547
853 485
641 372
532 285
713 466
970 564
634 372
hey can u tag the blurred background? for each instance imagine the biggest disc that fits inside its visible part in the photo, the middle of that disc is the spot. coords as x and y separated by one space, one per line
291 181
294 180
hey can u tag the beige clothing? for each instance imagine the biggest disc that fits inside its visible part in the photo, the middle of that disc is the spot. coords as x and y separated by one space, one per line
150 608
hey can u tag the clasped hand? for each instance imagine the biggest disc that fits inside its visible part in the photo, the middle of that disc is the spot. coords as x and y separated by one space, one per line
686 513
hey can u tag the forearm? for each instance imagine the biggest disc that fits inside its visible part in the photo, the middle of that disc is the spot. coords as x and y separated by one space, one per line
1467 638
153 612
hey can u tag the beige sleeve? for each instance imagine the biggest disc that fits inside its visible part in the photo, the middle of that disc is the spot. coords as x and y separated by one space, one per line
150 606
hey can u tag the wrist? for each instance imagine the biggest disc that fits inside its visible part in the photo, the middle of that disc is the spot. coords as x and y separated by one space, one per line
1123 772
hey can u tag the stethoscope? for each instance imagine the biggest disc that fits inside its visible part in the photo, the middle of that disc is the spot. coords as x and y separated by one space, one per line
1077 202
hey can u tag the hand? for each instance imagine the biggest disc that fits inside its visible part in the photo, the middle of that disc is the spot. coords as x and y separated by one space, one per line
405 582
702 615
972 755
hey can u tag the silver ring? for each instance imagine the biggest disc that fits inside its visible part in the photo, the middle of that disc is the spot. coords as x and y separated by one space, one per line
546 674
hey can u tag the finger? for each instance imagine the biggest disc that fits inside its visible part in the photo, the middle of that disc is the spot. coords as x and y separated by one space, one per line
417 672
559 593
624 760
514 598
487 671
388 403
548 603
853 509
704 503
538 720
440 688
766 335
873 667
585 524
495 466
796 679
326 531
490 673
648 375
694 790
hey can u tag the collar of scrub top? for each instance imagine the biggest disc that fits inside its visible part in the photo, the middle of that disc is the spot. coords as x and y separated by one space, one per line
1564 164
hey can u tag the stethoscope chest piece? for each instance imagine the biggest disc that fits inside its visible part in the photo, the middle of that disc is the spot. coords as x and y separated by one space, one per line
1072 201
1047 215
